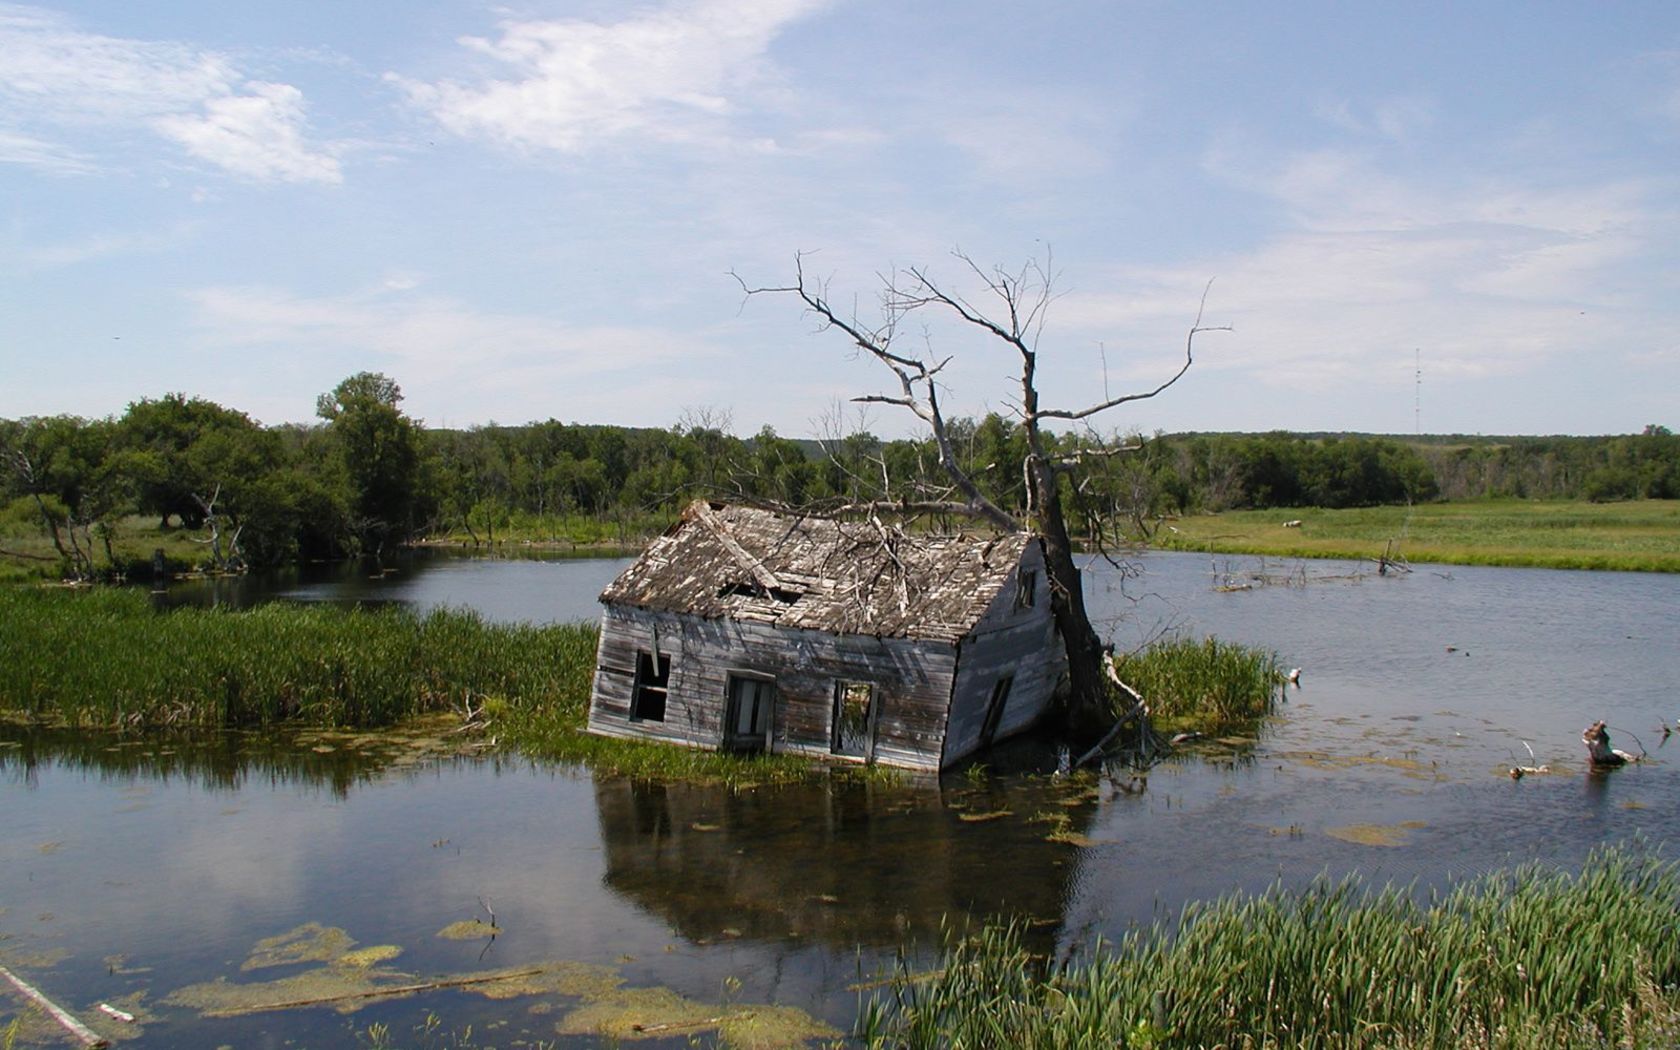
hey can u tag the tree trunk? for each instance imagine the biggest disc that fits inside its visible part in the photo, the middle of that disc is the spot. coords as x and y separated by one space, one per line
1089 713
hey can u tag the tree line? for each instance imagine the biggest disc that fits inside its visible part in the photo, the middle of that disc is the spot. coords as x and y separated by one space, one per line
366 476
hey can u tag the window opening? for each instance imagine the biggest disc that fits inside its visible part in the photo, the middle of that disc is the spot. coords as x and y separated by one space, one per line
1026 588
653 675
854 708
994 709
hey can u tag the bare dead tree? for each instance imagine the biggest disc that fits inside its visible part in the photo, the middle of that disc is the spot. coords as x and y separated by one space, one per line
1015 314
219 561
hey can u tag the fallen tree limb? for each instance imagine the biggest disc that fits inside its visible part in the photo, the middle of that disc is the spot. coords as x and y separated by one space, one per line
1138 712
87 1036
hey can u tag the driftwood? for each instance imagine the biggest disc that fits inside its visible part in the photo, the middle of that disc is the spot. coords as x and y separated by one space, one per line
1137 713
84 1034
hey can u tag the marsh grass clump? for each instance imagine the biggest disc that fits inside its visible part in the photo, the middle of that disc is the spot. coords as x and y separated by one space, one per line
104 658
1529 958
1206 683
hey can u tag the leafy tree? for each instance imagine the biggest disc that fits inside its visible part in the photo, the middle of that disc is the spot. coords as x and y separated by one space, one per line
378 450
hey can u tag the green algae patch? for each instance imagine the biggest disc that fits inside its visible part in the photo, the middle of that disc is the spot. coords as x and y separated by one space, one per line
369 956
468 930
349 988
574 980
1375 834
346 989
659 1013
310 942
977 818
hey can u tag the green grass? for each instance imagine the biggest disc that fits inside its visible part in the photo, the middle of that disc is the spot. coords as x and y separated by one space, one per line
1205 684
1527 958
1636 536
568 531
27 554
103 658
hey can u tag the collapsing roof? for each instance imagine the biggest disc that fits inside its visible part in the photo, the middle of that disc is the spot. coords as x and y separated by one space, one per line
734 562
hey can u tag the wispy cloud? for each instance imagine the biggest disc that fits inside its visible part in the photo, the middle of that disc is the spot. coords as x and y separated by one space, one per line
1491 277
57 81
674 74
452 360
16 148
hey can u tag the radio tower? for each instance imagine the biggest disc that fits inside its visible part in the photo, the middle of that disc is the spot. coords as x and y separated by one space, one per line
1417 391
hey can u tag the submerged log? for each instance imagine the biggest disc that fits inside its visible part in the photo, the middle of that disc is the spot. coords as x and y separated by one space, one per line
87 1036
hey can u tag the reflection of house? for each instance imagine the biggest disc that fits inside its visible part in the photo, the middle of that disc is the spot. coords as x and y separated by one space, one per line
750 630
835 862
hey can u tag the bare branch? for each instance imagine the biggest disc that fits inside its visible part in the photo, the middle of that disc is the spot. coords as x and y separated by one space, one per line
1189 358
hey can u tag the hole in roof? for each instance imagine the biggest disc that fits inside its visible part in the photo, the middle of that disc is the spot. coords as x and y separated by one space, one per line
753 590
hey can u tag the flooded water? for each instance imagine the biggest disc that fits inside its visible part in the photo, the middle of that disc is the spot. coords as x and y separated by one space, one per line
145 874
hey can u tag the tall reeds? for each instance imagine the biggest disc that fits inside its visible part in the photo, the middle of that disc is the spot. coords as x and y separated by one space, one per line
1532 957
1211 684
105 658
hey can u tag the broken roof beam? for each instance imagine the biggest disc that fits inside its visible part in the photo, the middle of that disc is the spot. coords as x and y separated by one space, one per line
767 580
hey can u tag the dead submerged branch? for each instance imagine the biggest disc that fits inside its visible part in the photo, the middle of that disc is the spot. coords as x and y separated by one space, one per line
1145 746
79 1031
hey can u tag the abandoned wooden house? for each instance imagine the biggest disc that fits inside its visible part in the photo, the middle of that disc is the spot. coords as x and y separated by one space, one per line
744 629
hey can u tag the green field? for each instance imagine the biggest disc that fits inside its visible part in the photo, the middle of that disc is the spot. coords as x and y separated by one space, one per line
1641 536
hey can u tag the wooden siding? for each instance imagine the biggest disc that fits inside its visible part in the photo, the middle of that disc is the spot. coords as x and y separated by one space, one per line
1008 641
912 679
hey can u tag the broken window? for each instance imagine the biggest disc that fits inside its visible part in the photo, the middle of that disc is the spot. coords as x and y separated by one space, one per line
994 709
853 708
647 703
1026 588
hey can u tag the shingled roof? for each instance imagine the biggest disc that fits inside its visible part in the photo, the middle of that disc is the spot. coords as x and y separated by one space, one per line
732 562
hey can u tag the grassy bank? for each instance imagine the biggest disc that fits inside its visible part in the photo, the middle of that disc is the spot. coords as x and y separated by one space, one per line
1638 536
624 532
1530 958
27 553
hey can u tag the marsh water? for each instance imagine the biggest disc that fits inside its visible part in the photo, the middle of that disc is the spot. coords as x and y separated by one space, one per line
170 878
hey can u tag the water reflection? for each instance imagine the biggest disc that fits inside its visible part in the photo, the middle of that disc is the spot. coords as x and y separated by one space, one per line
228 761
843 863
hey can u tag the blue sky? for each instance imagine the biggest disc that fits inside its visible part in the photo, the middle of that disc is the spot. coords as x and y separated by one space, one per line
531 210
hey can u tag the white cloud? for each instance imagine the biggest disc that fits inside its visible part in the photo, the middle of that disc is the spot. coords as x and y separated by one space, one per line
674 74
57 80
32 152
1490 279
258 135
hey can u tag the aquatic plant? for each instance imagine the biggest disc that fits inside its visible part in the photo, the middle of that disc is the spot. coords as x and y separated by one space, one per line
1532 957
106 658
1209 684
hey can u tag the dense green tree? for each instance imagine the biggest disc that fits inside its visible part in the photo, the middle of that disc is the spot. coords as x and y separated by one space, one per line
378 451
